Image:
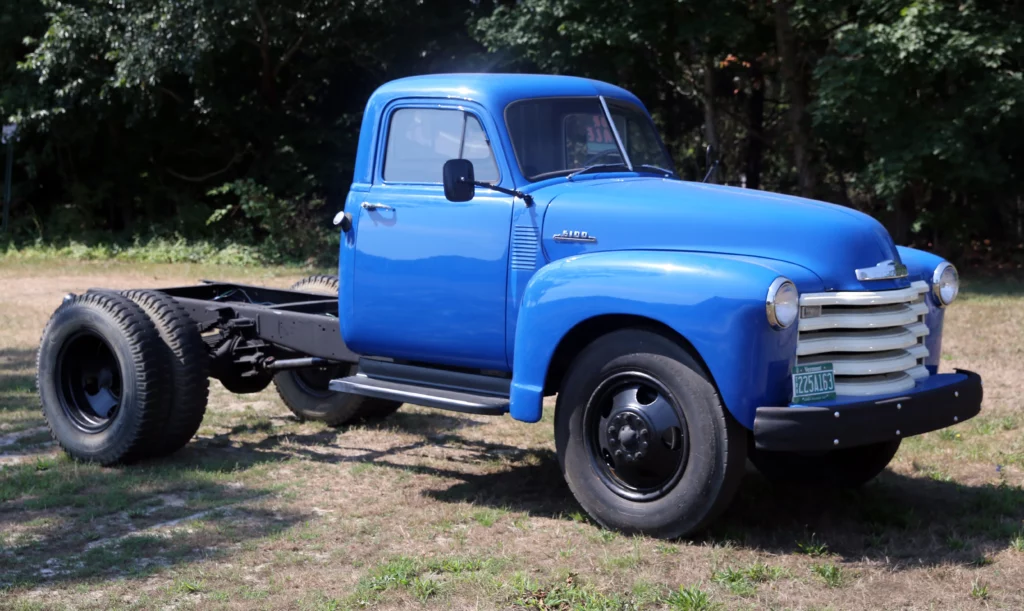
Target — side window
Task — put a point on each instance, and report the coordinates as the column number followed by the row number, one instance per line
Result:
column 420, row 140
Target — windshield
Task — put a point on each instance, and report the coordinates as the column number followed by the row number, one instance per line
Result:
column 559, row 136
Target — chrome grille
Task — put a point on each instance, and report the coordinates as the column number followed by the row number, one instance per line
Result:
column 874, row 339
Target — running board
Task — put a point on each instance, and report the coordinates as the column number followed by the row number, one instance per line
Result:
column 427, row 386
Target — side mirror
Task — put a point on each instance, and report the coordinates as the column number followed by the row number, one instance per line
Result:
column 458, row 180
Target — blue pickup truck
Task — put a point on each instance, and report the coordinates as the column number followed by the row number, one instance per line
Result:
column 512, row 237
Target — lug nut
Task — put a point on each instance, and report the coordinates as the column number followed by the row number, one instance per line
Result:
column 639, row 455
column 618, row 453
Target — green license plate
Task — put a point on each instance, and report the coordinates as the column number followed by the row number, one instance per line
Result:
column 813, row 383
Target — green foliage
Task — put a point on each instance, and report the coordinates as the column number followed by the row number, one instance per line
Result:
column 234, row 121
column 692, row 598
column 830, row 573
column 154, row 116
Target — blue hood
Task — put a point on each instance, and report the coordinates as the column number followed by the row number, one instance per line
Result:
column 657, row 214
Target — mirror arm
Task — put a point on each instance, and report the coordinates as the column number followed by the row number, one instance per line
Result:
column 526, row 197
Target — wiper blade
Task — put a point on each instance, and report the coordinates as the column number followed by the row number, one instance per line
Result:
column 654, row 168
column 595, row 167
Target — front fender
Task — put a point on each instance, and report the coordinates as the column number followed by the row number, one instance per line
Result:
column 920, row 266
column 716, row 302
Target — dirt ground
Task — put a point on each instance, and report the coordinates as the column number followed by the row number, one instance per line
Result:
column 430, row 509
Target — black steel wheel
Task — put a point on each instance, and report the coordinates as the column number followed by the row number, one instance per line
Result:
column 190, row 368
column 637, row 440
column 643, row 439
column 89, row 388
column 306, row 391
column 104, row 379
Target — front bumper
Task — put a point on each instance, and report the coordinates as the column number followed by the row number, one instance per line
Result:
column 946, row 400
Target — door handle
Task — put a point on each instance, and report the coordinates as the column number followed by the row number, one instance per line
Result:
column 371, row 206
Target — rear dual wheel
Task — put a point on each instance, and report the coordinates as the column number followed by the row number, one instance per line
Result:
column 306, row 392
column 121, row 377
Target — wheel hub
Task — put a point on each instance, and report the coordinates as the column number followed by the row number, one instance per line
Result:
column 637, row 440
column 628, row 434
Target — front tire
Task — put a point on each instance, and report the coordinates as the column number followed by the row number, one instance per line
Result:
column 643, row 439
column 104, row 379
column 846, row 468
column 306, row 392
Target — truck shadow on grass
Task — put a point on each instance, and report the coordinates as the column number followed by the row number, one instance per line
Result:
column 19, row 405
column 66, row 522
column 906, row 521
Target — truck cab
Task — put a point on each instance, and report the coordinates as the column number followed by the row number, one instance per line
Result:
column 510, row 237
column 813, row 332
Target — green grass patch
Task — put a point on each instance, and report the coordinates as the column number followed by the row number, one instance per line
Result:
column 691, row 598
column 830, row 573
column 488, row 516
column 812, row 547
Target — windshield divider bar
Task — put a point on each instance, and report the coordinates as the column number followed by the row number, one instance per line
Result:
column 615, row 132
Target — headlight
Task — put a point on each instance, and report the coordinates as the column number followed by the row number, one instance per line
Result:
column 945, row 283
column 782, row 304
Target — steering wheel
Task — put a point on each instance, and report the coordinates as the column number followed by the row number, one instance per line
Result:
column 596, row 156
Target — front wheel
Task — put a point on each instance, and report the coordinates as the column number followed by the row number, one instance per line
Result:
column 643, row 439
column 846, row 468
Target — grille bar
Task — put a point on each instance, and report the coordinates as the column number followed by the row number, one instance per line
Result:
column 874, row 339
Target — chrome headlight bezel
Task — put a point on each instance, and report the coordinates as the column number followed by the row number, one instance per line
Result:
column 945, row 269
column 782, row 317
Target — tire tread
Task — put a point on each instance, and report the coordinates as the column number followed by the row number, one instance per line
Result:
column 152, row 374
column 190, row 368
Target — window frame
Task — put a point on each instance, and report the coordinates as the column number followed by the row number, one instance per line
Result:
column 597, row 97
column 464, row 108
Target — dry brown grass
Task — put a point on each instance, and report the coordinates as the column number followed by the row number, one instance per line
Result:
column 430, row 509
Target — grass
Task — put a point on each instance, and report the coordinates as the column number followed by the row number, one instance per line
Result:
column 438, row 510
column 691, row 598
column 831, row 574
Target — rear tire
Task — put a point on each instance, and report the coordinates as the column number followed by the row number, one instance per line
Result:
column 190, row 368
column 104, row 379
column 679, row 455
column 306, row 392
column 847, row 468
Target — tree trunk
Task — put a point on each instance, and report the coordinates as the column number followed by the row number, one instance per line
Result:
column 796, row 83
column 710, row 112
column 755, row 127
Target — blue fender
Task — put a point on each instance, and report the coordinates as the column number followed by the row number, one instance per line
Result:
column 715, row 302
column 920, row 266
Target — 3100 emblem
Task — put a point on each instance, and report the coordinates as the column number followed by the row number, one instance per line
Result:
column 574, row 236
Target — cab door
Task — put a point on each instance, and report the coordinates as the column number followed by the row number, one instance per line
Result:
column 429, row 275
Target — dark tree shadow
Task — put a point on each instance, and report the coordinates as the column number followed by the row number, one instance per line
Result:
column 101, row 523
column 14, row 363
column 908, row 520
